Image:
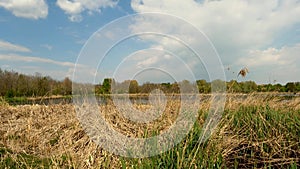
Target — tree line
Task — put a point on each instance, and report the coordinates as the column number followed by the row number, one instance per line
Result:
column 15, row 84
column 131, row 86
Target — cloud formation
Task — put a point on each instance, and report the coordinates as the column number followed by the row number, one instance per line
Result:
column 76, row 7
column 45, row 66
column 31, row 9
column 38, row 9
column 243, row 22
column 279, row 64
column 243, row 32
column 271, row 56
column 7, row 46
column 153, row 65
column 16, row 58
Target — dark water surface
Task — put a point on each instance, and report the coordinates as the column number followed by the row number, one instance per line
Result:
column 102, row 100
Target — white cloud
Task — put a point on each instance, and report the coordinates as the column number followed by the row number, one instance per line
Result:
column 282, row 64
column 14, row 57
column 152, row 65
column 263, row 57
column 236, row 28
column 49, row 47
column 70, row 7
column 53, row 68
column 32, row 9
column 287, row 55
column 76, row 7
column 242, row 23
column 7, row 46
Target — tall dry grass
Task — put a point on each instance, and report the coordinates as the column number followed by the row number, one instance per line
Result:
column 255, row 131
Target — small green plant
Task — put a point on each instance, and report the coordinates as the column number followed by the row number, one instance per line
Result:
column 3, row 102
column 21, row 160
column 185, row 155
column 54, row 141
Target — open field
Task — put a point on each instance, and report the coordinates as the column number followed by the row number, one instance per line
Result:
column 254, row 132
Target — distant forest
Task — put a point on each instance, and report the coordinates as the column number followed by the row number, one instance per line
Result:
column 14, row 84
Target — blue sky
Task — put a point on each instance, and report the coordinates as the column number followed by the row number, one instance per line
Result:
column 47, row 36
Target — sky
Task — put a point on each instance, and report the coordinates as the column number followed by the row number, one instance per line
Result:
column 58, row 37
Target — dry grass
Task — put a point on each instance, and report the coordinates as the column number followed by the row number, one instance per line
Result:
column 50, row 132
column 255, row 131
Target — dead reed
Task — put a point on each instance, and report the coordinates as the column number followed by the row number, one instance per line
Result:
column 256, row 131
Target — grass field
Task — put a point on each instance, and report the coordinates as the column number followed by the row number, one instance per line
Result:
column 254, row 132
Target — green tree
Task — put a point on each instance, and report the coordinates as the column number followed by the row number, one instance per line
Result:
column 175, row 88
column 297, row 84
column 218, row 85
column 67, row 86
column 290, row 87
column 22, row 85
column 166, row 87
column 133, row 86
column 187, row 87
column 249, row 86
column 233, row 86
column 42, row 86
column 147, row 87
column 203, row 86
column 106, row 86
column 10, row 83
column 278, row 88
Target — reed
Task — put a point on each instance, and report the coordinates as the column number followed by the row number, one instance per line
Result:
column 256, row 131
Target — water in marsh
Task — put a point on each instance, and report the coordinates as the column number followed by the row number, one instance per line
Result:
column 144, row 99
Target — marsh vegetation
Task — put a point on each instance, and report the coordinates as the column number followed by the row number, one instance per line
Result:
column 254, row 132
